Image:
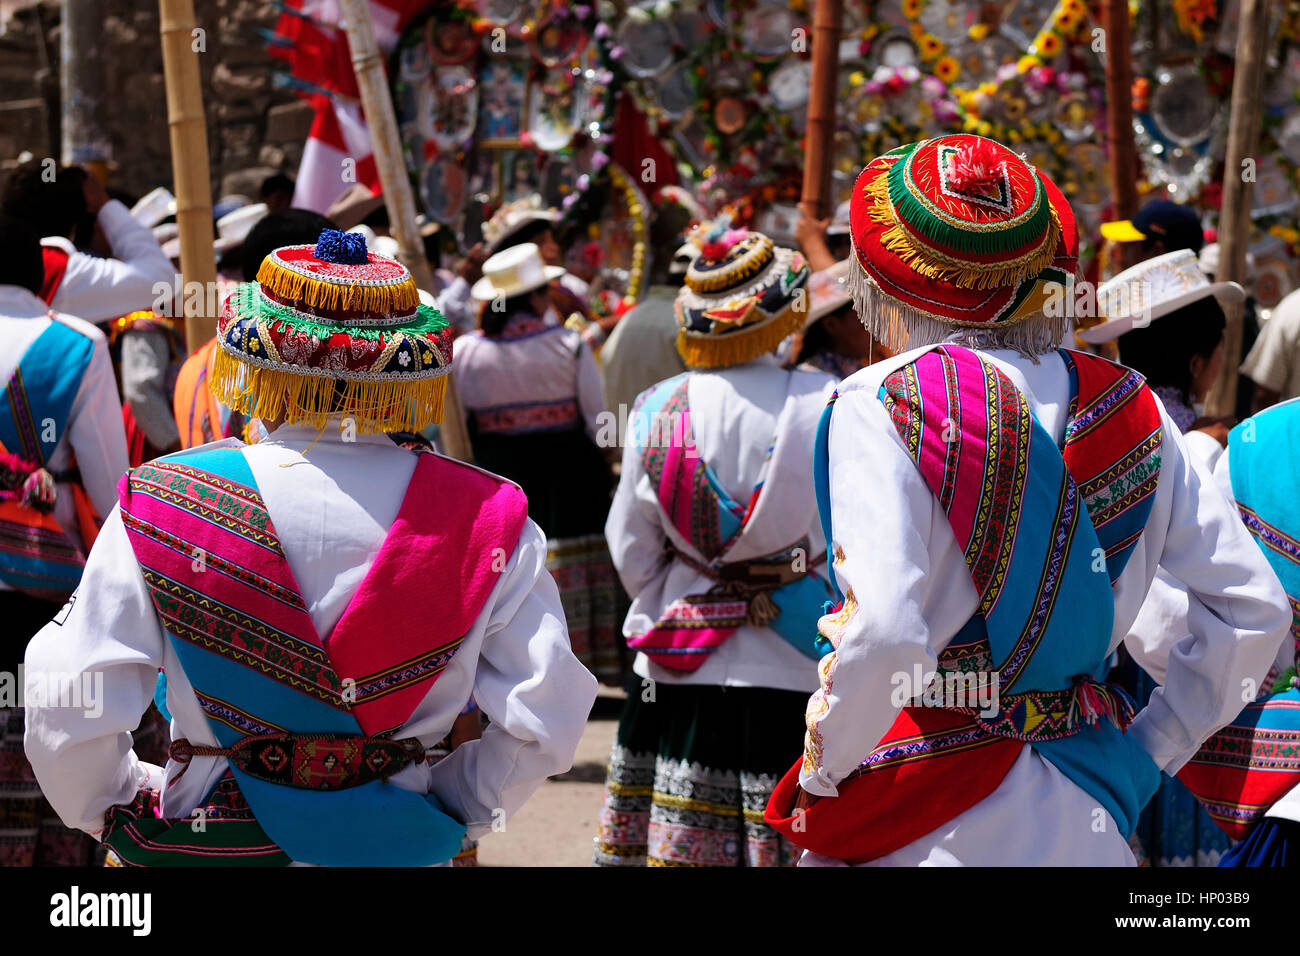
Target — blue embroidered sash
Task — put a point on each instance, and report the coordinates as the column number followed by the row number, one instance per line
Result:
column 241, row 630
column 36, row 556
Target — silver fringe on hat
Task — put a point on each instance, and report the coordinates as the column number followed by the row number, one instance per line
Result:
column 899, row 327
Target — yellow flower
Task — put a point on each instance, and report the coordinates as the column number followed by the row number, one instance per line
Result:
column 1047, row 45
column 931, row 46
column 857, row 78
column 1013, row 136
column 979, row 31
column 971, row 123
column 988, row 89
column 911, row 9
column 947, row 69
column 1027, row 63
column 984, row 127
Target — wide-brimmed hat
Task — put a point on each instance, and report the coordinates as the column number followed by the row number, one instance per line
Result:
column 511, row 218
column 743, row 296
column 956, row 232
column 332, row 329
column 828, row 290
column 513, row 272
column 1152, row 289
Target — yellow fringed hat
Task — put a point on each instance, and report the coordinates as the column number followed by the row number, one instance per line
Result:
column 333, row 330
column 743, row 296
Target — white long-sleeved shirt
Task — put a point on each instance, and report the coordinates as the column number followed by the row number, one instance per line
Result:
column 332, row 506
column 734, row 414
column 98, row 289
column 1163, row 618
column 913, row 593
column 551, row 365
column 93, row 431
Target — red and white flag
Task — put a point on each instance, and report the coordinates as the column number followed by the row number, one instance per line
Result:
column 338, row 153
column 337, row 156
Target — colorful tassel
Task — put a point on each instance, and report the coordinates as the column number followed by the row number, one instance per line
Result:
column 275, row 394
column 734, row 348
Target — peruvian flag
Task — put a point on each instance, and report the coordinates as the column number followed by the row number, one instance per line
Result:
column 337, row 156
column 310, row 38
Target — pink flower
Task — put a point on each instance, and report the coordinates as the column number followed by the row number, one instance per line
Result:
column 599, row 160
column 616, row 53
column 602, row 30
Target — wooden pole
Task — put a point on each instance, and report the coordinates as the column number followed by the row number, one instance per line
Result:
column 398, row 196
column 1119, row 119
column 193, row 182
column 1238, row 180
column 820, row 133
column 85, row 141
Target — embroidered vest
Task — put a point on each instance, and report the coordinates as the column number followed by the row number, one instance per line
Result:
column 1034, row 522
column 1242, row 770
column 769, row 593
column 240, row 627
column 36, row 554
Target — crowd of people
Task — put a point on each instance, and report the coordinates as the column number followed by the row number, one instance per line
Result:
column 893, row 562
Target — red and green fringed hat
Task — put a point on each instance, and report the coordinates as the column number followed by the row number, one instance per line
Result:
column 333, row 330
column 956, row 231
column 743, row 296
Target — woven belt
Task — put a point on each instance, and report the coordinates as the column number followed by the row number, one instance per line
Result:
column 752, row 580
column 1053, row 714
column 312, row 761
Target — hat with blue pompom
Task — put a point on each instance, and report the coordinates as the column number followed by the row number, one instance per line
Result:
column 333, row 330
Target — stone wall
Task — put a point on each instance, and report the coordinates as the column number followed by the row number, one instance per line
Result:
column 254, row 127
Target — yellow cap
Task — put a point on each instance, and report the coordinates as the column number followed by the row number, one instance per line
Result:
column 1121, row 230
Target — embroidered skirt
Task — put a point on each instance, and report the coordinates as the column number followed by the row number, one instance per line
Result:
column 1173, row 829
column 31, row 833
column 568, row 486
column 691, row 772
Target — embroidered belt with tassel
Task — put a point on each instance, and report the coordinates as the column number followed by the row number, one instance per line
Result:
column 754, row 580
column 312, row 761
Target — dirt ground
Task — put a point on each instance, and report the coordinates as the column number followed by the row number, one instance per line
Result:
column 557, row 825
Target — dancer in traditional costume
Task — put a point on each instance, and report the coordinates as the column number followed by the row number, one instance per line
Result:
column 76, row 283
column 715, row 535
column 1166, row 316
column 997, row 509
column 62, row 452
column 323, row 604
column 1247, row 775
column 533, row 398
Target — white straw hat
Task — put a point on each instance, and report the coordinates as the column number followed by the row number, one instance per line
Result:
column 512, row 272
column 1151, row 289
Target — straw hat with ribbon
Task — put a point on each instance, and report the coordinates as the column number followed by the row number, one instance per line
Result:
column 513, row 272
column 743, row 296
column 1152, row 289
column 958, row 233
column 333, row 329
column 512, row 217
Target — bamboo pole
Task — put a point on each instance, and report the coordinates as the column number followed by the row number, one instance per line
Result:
column 1238, row 180
column 189, row 141
column 1119, row 118
column 398, row 196
column 820, row 134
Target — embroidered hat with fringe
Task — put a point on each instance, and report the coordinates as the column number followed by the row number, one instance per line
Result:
column 743, row 296
column 959, row 232
column 333, row 330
